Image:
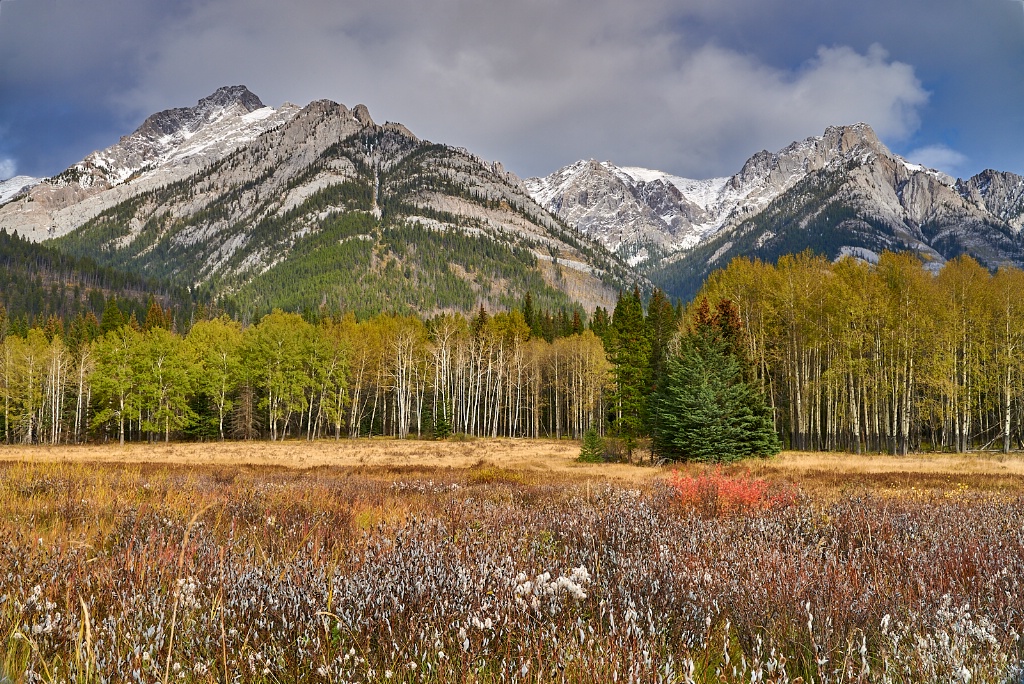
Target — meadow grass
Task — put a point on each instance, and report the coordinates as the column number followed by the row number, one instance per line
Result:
column 487, row 572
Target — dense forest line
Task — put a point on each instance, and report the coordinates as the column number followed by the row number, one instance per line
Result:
column 39, row 282
column 885, row 357
column 849, row 356
column 523, row 373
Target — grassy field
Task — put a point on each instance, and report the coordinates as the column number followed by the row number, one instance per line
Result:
column 542, row 458
column 504, row 561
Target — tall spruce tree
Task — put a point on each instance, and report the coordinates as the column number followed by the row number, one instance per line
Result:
column 601, row 325
column 631, row 359
column 113, row 317
column 662, row 325
column 531, row 317
column 706, row 410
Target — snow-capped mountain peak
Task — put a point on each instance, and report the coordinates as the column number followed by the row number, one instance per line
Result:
column 218, row 123
column 653, row 213
column 166, row 147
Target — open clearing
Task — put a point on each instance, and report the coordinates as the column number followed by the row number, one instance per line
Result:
column 491, row 561
column 541, row 458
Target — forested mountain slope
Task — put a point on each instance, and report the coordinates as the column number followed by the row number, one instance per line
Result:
column 332, row 211
column 38, row 281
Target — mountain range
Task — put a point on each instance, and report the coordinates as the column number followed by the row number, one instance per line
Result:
column 310, row 208
column 841, row 194
column 319, row 207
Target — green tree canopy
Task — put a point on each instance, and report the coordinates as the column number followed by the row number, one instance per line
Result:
column 705, row 410
column 631, row 357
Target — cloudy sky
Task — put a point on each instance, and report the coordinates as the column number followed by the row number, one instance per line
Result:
column 692, row 87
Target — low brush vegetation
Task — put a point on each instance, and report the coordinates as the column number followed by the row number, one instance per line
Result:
column 146, row 573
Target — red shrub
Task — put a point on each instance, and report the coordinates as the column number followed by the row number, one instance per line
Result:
column 715, row 493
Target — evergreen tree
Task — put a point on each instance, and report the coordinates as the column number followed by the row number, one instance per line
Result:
column 19, row 326
column 113, row 317
column 577, row 322
column 706, row 410
column 547, row 327
column 480, row 321
column 442, row 425
column 662, row 324
column 531, row 317
column 93, row 329
column 155, row 316
column 631, row 359
column 592, row 449
column 54, row 327
column 601, row 326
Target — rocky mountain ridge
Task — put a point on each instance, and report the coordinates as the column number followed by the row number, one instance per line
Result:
column 649, row 216
column 841, row 193
column 167, row 147
column 851, row 196
column 330, row 209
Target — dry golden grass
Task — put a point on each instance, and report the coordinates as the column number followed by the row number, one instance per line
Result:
column 802, row 462
column 538, row 460
column 842, row 472
column 226, row 541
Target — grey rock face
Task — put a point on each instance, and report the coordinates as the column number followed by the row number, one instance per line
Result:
column 1001, row 193
column 173, row 121
column 636, row 214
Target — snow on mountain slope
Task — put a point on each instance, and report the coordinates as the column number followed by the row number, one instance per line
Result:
column 218, row 124
column 168, row 146
column 15, row 186
column 640, row 215
column 332, row 209
column 648, row 216
column 704, row 193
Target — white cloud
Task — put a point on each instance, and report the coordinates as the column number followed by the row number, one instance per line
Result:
column 727, row 104
column 939, row 157
column 536, row 83
column 8, row 168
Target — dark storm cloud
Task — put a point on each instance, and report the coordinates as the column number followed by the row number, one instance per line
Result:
column 62, row 64
column 688, row 86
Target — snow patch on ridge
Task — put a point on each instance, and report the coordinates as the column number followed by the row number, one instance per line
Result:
column 860, row 253
column 14, row 186
column 702, row 192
